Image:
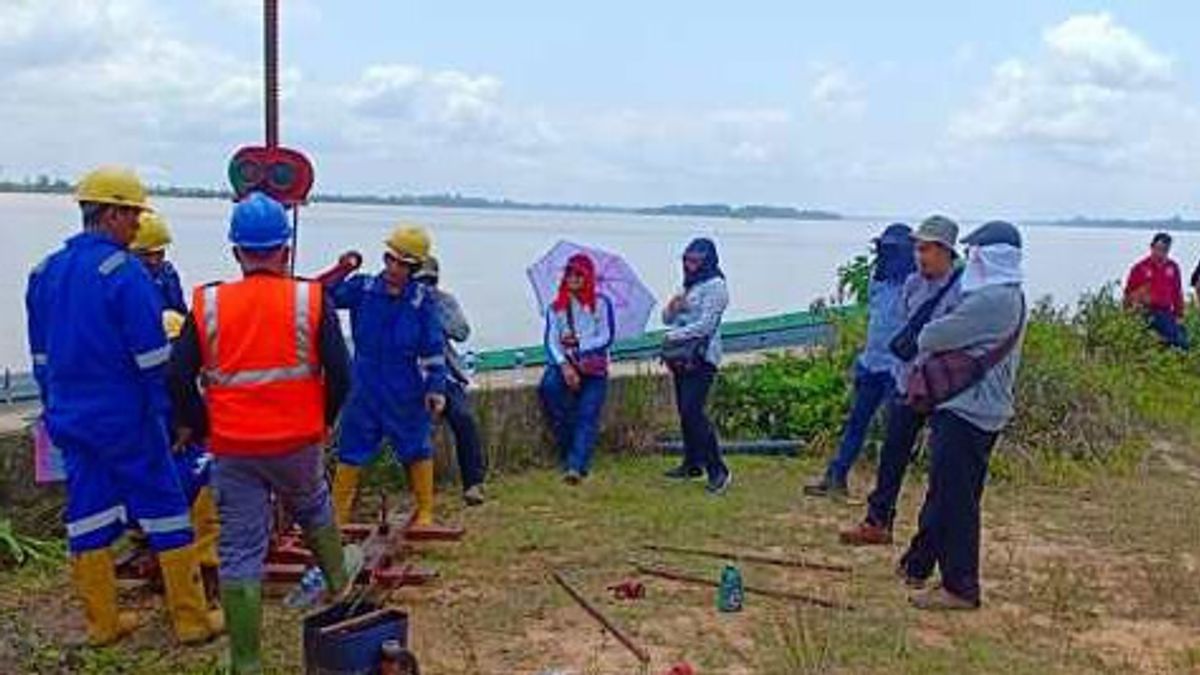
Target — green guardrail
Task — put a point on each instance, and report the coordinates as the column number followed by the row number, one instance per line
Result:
column 792, row 329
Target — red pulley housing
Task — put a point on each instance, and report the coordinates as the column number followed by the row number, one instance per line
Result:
column 284, row 174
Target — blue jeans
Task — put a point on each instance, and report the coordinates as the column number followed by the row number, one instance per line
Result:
column 574, row 416
column 871, row 389
column 948, row 535
column 700, row 445
column 903, row 426
column 461, row 419
column 1173, row 333
column 243, row 488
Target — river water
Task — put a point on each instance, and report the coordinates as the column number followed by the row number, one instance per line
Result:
column 773, row 265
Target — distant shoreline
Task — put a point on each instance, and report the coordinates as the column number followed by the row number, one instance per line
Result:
column 456, row 201
column 748, row 212
column 1173, row 224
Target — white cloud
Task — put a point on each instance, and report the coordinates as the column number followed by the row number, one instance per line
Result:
column 1094, row 49
column 91, row 82
column 836, row 90
column 1096, row 93
column 447, row 100
column 251, row 11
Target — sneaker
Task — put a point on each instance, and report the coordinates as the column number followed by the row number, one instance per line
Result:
column 827, row 487
column 866, row 534
column 941, row 600
column 474, row 496
column 684, row 472
column 572, row 477
column 721, row 484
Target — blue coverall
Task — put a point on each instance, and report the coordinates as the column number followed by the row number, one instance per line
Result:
column 99, row 355
column 166, row 279
column 398, row 360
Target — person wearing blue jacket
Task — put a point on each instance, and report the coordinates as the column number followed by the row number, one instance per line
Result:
column 580, row 325
column 99, row 355
column 150, row 246
column 399, row 373
column 874, row 384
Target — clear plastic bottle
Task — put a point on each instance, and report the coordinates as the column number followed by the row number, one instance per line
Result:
column 308, row 594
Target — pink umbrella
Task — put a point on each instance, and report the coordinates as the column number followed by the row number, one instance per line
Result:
column 632, row 301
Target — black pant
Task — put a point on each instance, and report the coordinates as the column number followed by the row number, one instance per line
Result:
column 461, row 421
column 700, row 445
column 950, row 517
column 903, row 426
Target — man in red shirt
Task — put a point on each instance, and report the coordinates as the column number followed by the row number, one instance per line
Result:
column 1155, row 287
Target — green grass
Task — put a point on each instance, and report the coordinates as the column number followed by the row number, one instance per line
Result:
column 1060, row 564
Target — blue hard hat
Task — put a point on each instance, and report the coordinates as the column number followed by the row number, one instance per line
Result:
column 993, row 233
column 259, row 223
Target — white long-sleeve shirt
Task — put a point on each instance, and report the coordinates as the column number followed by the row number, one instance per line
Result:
column 594, row 329
column 700, row 316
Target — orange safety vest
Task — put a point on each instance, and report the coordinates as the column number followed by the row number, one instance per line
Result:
column 262, row 376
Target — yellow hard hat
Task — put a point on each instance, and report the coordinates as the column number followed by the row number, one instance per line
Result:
column 172, row 323
column 409, row 243
column 152, row 234
column 112, row 185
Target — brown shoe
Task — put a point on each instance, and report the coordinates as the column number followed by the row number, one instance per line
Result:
column 867, row 534
column 941, row 600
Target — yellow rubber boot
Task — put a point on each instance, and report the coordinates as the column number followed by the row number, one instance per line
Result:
column 420, row 477
column 95, row 578
column 186, row 603
column 345, row 485
column 207, row 527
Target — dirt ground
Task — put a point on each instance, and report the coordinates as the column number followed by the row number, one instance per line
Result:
column 1098, row 576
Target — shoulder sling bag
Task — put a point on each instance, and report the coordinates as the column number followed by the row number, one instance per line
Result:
column 947, row 374
column 904, row 343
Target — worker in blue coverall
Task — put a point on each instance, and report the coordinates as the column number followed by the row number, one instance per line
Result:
column 150, row 246
column 99, row 355
column 399, row 381
column 193, row 465
column 192, row 462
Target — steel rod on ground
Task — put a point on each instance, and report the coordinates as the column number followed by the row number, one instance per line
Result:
column 642, row 655
column 750, row 557
column 675, row 575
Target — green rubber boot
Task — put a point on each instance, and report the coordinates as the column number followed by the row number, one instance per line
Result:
column 242, row 601
column 326, row 545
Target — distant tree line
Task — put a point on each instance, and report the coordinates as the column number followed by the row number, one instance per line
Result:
column 47, row 184
column 744, row 212
column 1167, row 224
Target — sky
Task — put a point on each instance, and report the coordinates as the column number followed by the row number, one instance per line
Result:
column 1017, row 109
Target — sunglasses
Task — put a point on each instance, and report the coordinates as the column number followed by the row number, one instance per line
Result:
column 393, row 259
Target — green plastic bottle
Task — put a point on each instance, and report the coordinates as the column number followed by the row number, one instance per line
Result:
column 730, row 593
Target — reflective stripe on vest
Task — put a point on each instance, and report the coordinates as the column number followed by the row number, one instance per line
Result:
column 304, row 368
